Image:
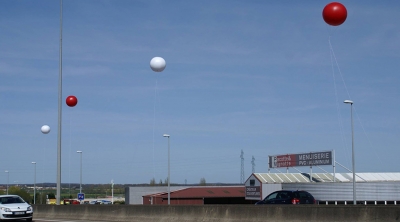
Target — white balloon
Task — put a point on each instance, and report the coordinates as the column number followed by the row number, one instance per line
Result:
column 157, row 64
column 45, row 129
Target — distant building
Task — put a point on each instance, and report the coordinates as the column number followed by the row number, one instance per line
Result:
column 200, row 196
column 220, row 194
column 329, row 188
column 134, row 195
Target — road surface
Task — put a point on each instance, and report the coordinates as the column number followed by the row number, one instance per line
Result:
column 57, row 220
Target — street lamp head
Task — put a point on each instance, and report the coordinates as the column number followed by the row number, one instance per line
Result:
column 348, row 102
column 79, row 151
column 6, row 171
column 166, row 135
column 33, row 162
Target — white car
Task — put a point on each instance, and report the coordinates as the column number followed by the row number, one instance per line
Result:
column 93, row 202
column 103, row 202
column 13, row 207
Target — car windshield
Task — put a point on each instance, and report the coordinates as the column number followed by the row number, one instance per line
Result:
column 11, row 200
column 271, row 196
column 279, row 195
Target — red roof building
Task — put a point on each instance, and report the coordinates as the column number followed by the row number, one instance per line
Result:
column 200, row 196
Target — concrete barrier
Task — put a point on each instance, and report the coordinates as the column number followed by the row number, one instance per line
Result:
column 220, row 213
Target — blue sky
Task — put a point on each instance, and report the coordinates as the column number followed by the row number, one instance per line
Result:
column 253, row 75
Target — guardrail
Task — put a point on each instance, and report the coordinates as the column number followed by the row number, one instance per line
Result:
column 350, row 202
column 220, row 213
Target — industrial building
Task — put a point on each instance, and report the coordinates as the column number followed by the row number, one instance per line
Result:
column 190, row 195
column 134, row 195
column 329, row 188
column 200, row 196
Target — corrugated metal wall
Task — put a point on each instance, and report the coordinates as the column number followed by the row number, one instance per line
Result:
column 371, row 191
column 269, row 188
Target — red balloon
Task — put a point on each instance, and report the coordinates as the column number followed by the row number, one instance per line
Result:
column 334, row 13
column 71, row 101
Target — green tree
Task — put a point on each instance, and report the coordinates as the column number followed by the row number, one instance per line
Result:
column 22, row 193
column 202, row 181
column 40, row 198
column 152, row 182
column 37, row 198
column 51, row 196
column 119, row 202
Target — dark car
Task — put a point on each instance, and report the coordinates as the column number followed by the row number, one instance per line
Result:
column 288, row 197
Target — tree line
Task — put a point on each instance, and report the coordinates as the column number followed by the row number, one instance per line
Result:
column 165, row 182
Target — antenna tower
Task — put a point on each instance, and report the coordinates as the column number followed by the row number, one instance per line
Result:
column 242, row 167
column 253, row 164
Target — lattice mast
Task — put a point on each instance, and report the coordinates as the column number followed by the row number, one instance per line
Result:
column 253, row 164
column 242, row 167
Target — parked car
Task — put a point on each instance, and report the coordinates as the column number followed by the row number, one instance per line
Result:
column 14, row 207
column 103, row 202
column 71, row 201
column 288, row 197
column 93, row 202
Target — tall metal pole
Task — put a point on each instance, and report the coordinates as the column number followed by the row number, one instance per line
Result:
column 80, row 187
column 58, row 195
column 8, row 179
column 334, row 166
column 169, row 177
column 112, row 191
column 352, row 150
column 353, row 159
column 34, row 185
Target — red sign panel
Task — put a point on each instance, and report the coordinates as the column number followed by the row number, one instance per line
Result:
column 302, row 159
column 288, row 160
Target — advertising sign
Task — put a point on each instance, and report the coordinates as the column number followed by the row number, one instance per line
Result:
column 301, row 159
column 253, row 192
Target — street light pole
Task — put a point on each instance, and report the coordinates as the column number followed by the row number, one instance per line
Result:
column 58, row 195
column 8, row 179
column 352, row 150
column 80, row 187
column 169, row 188
column 112, row 191
column 34, row 185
